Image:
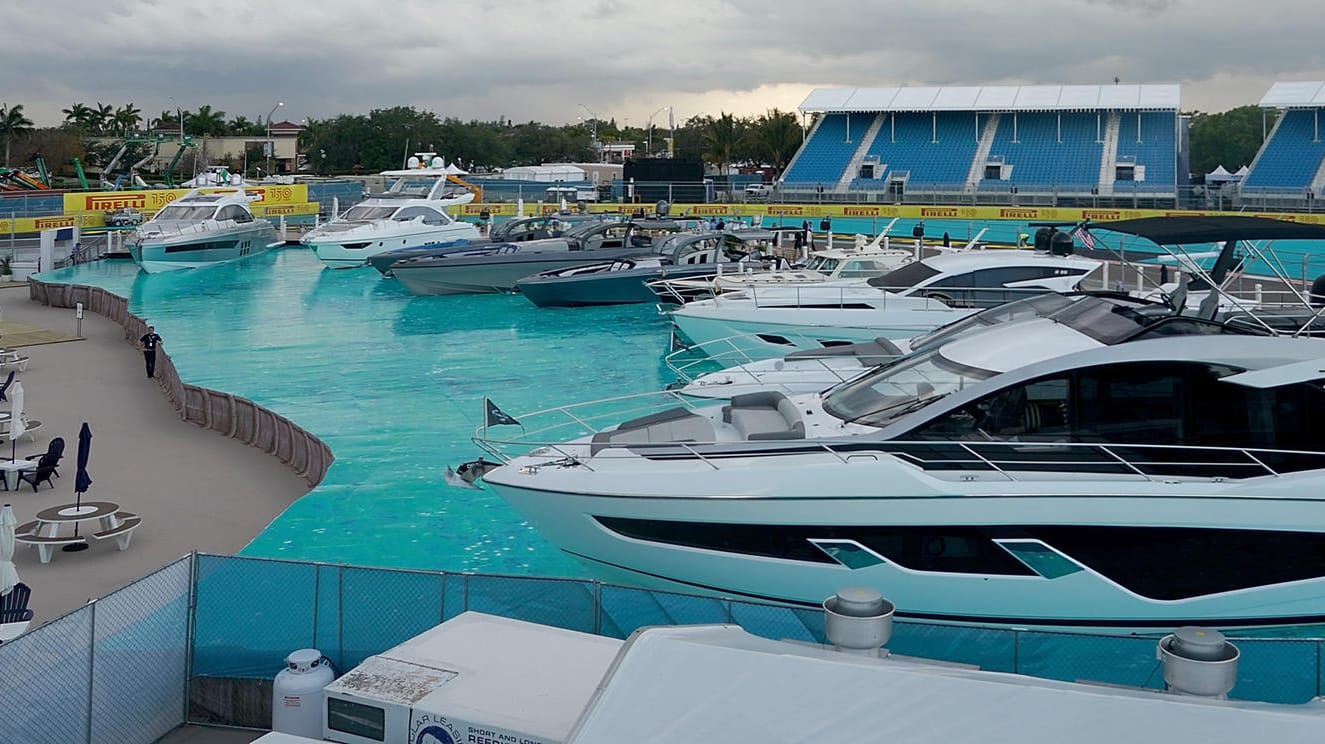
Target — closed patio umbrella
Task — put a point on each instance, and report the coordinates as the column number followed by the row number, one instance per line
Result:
column 16, row 425
column 82, row 481
column 8, row 574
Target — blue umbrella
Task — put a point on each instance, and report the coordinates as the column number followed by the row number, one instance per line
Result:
column 82, row 480
column 5, row 386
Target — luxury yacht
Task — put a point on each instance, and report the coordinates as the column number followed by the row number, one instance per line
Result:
column 200, row 229
column 859, row 263
column 910, row 300
column 498, row 267
column 1109, row 317
column 412, row 213
column 1161, row 482
column 695, row 256
column 517, row 230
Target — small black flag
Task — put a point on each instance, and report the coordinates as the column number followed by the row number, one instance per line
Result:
column 494, row 416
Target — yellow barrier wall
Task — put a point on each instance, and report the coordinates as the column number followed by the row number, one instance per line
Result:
column 154, row 199
column 815, row 212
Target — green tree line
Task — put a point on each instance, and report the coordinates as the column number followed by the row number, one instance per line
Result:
column 384, row 138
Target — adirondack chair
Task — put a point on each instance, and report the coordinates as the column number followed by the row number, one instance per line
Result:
column 14, row 605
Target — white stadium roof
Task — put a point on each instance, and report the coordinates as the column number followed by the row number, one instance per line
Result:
column 1295, row 94
column 994, row 98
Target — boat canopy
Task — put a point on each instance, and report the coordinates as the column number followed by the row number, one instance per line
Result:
column 1187, row 230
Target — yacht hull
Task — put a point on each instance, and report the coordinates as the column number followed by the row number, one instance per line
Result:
column 605, row 287
column 760, row 333
column 202, row 249
column 352, row 251
column 488, row 274
column 932, row 548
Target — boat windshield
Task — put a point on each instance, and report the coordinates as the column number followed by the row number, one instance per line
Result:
column 1038, row 306
column 911, row 382
column 414, row 186
column 1110, row 321
column 822, row 264
column 362, row 213
column 185, row 213
column 908, row 275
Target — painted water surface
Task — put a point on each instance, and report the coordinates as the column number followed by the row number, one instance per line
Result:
column 394, row 384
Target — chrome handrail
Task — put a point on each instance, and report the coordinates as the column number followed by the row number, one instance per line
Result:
column 843, row 449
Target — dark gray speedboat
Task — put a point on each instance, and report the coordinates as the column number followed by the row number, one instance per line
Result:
column 624, row 281
column 499, row 267
column 519, row 230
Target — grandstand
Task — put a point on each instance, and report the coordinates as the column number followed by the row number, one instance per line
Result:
column 993, row 144
column 1290, row 167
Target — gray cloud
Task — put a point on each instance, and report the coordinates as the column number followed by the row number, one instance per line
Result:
column 533, row 60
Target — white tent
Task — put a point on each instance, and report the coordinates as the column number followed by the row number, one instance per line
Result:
column 1219, row 175
column 545, row 173
column 1241, row 173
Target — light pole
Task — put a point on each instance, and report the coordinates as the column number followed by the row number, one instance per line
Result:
column 271, row 146
column 655, row 113
column 593, row 122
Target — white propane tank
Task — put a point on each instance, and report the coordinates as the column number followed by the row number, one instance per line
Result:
column 296, row 696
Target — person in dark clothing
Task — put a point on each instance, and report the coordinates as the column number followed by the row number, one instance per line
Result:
column 918, row 232
column 148, row 344
column 947, row 241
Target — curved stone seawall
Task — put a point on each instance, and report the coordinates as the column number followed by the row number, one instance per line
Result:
column 238, row 418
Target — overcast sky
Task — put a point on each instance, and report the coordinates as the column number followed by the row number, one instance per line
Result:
column 555, row 62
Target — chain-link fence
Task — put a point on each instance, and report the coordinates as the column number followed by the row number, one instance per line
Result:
column 120, row 668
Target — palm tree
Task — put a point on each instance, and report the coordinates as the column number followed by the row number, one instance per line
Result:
column 721, row 140
column 12, row 122
column 127, row 117
column 778, row 135
column 80, row 115
column 242, row 126
column 205, row 121
column 101, row 117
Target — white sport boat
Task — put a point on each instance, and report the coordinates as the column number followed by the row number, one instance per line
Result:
column 1108, row 316
column 412, row 213
column 1167, row 481
column 913, row 299
column 201, row 228
column 859, row 263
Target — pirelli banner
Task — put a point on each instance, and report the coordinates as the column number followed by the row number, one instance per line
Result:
column 151, row 200
column 816, row 212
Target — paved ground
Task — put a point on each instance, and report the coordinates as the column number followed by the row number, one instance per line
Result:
column 194, row 489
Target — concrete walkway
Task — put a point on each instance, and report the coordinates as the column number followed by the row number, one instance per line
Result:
column 194, row 489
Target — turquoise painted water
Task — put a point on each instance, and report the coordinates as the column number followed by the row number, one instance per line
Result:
column 394, row 384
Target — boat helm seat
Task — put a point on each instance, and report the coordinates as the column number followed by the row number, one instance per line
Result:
column 672, row 425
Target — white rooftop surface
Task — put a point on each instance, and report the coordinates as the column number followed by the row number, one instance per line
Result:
column 490, row 670
column 996, row 98
column 718, row 683
column 1287, row 94
column 1014, row 344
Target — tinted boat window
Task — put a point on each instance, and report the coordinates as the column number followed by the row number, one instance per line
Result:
column 908, row 275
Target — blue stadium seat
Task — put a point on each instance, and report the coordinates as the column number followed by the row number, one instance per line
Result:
column 1040, row 160
column 1156, row 151
column 908, row 142
column 1290, row 158
column 825, row 155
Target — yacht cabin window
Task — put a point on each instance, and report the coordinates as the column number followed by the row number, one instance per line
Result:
column 234, row 212
column 908, row 275
column 1149, row 402
column 430, row 216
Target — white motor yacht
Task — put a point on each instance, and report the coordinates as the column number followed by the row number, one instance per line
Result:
column 1162, row 482
column 199, row 229
column 1107, row 316
column 412, row 213
column 913, row 299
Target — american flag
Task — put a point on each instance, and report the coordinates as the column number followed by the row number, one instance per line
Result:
column 1083, row 235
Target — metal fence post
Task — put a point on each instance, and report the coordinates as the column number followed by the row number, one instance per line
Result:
column 598, row 608
column 91, row 667
column 340, row 617
column 317, row 586
column 190, row 622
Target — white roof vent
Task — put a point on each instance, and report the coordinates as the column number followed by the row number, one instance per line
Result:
column 1198, row 662
column 858, row 620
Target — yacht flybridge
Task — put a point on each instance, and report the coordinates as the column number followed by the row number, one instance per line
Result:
column 412, row 213
column 1150, row 484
